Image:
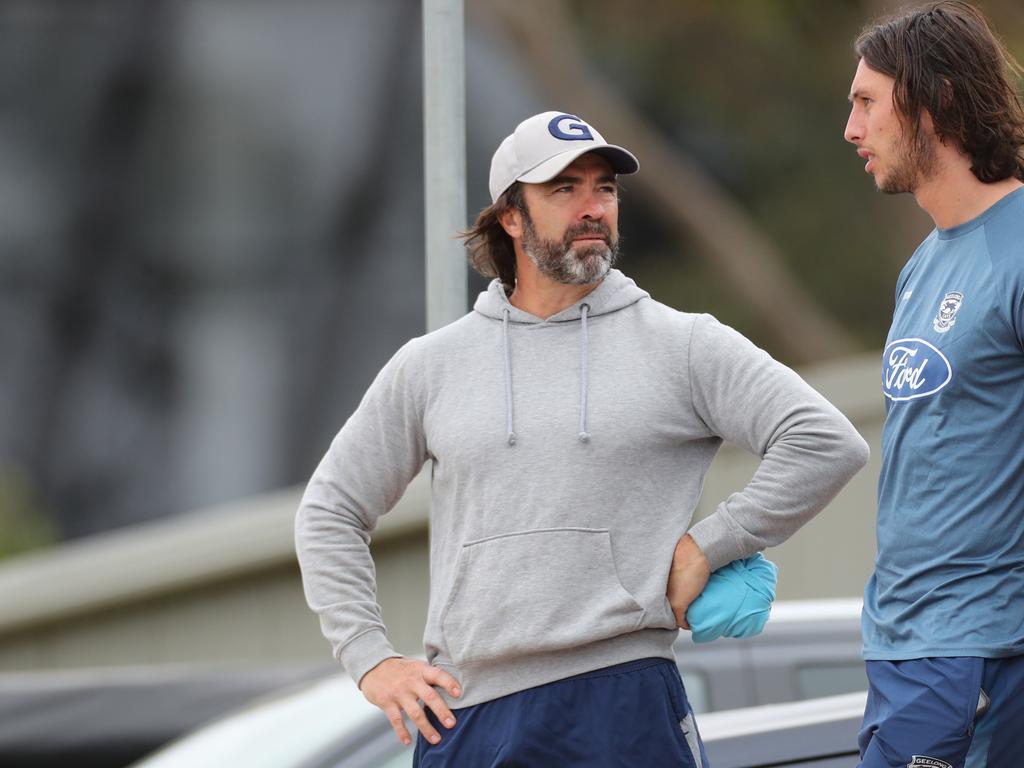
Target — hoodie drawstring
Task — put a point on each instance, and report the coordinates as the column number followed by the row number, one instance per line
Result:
column 583, row 436
column 511, row 439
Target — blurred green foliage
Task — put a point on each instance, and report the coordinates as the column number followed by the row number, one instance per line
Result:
column 755, row 91
column 23, row 524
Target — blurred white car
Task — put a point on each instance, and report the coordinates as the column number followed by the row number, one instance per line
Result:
column 808, row 650
column 331, row 725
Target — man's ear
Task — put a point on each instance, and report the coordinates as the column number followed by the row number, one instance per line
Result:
column 511, row 220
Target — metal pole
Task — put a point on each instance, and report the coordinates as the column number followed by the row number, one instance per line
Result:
column 444, row 150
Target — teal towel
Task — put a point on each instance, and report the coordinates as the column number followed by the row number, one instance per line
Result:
column 735, row 602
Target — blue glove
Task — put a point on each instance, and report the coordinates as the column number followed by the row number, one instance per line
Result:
column 735, row 602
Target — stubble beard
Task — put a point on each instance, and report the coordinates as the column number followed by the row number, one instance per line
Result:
column 916, row 163
column 566, row 262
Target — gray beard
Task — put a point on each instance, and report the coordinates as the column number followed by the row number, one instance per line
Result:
column 567, row 263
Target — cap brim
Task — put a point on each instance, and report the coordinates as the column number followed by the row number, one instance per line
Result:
column 621, row 160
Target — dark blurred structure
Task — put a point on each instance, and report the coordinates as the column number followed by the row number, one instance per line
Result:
column 212, row 240
column 211, row 213
column 108, row 719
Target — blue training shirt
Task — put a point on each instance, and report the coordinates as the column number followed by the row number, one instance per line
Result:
column 949, row 574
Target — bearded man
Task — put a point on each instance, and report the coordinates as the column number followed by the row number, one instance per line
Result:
column 569, row 420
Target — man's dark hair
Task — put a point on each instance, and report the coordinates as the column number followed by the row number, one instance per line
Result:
column 947, row 62
column 490, row 248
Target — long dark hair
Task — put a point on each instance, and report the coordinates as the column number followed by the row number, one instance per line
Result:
column 946, row 60
column 490, row 248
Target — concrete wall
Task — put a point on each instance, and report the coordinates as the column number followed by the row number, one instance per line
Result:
column 216, row 586
column 222, row 585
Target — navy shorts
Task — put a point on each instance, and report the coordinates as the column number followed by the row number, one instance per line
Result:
column 960, row 712
column 628, row 715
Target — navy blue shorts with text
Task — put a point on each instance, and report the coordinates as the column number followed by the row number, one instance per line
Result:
column 925, row 713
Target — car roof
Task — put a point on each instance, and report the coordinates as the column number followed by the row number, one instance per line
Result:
column 806, row 733
column 275, row 732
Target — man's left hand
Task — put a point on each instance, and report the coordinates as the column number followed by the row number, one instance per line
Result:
column 687, row 577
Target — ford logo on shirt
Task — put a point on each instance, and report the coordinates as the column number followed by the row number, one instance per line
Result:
column 913, row 368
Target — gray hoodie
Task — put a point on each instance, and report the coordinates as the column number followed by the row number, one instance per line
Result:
column 567, row 458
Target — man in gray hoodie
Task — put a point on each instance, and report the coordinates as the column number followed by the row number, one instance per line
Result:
column 569, row 420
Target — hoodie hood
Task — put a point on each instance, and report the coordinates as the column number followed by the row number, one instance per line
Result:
column 615, row 292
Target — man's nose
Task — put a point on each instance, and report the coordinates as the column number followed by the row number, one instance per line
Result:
column 593, row 208
column 854, row 128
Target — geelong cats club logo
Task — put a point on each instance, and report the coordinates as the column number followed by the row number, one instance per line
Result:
column 948, row 307
column 920, row 761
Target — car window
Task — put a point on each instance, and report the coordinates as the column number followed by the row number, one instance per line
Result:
column 829, row 679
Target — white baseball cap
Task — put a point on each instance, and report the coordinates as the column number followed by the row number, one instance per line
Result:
column 543, row 145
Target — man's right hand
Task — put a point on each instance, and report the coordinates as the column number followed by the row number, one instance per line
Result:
column 688, row 575
column 399, row 684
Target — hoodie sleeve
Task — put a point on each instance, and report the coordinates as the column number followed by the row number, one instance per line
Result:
column 808, row 449
column 365, row 472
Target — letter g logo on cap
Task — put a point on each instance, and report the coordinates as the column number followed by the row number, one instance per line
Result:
column 578, row 131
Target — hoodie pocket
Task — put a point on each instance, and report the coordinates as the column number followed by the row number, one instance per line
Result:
column 535, row 591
